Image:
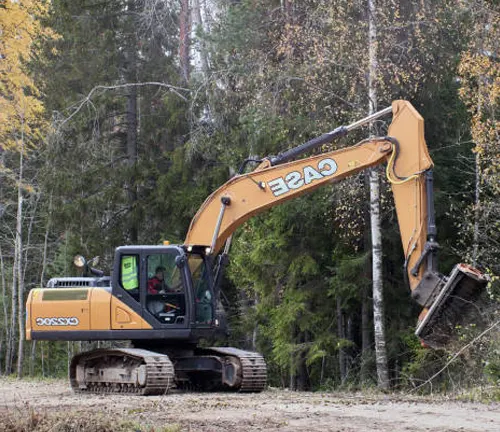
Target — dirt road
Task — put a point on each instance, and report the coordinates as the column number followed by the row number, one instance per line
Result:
column 273, row 410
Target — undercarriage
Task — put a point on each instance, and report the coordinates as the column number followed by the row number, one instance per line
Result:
column 144, row 372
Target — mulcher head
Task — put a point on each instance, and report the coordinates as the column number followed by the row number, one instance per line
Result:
column 455, row 305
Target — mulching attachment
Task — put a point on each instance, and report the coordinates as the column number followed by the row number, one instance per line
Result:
column 456, row 305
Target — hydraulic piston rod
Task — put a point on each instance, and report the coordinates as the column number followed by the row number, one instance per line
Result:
column 326, row 138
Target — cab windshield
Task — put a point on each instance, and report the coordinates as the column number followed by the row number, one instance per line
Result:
column 163, row 273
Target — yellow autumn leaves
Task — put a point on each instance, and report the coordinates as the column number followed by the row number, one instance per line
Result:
column 21, row 111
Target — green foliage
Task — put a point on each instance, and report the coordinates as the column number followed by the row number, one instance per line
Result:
column 279, row 74
column 349, row 278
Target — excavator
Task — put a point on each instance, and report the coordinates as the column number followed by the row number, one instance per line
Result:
column 164, row 299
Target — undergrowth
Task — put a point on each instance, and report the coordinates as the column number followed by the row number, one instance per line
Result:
column 31, row 420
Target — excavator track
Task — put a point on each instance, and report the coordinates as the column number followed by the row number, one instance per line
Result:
column 129, row 370
column 250, row 368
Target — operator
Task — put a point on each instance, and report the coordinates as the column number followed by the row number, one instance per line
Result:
column 157, row 285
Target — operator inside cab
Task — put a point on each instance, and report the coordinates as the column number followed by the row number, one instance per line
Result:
column 157, row 284
column 165, row 298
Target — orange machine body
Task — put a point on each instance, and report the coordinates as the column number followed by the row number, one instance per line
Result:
column 79, row 310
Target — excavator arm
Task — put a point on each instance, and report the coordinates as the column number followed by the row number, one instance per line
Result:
column 273, row 183
column 277, row 180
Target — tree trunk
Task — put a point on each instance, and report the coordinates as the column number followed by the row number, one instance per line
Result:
column 302, row 381
column 27, row 243
column 14, row 308
column 45, row 242
column 366, row 307
column 477, row 213
column 18, row 267
column 378, row 310
column 5, row 330
column 184, row 43
column 33, row 358
column 132, row 159
column 9, row 343
column 131, row 145
column 42, row 357
column 341, row 335
column 22, row 279
column 376, row 235
column 365, row 337
column 202, row 50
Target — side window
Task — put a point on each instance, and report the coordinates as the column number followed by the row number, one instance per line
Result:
column 129, row 274
column 203, row 295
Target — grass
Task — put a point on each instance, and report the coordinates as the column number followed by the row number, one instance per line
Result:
column 30, row 420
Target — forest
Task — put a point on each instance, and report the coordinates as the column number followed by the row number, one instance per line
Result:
column 119, row 118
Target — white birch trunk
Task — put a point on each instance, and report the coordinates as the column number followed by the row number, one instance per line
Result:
column 9, row 355
column 200, row 48
column 45, row 243
column 376, row 235
column 5, row 331
column 18, row 267
column 477, row 213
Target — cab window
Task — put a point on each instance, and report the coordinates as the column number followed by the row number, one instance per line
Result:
column 165, row 297
column 163, row 274
column 129, row 274
column 203, row 295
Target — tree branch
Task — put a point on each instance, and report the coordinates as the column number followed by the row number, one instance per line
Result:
column 460, row 351
column 89, row 96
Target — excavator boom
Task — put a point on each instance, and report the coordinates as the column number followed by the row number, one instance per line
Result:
column 275, row 182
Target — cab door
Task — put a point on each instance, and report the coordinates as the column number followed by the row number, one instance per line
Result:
column 164, row 297
column 151, row 281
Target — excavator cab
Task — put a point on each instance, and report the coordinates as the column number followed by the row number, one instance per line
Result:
column 160, row 293
column 169, row 288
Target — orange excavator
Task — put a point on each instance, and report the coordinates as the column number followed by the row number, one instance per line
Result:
column 164, row 299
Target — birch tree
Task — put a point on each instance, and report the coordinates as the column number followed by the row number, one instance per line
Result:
column 184, row 39
column 375, row 223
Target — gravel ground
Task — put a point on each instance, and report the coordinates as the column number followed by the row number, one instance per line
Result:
column 272, row 410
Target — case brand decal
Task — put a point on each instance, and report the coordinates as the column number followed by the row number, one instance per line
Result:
column 296, row 179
